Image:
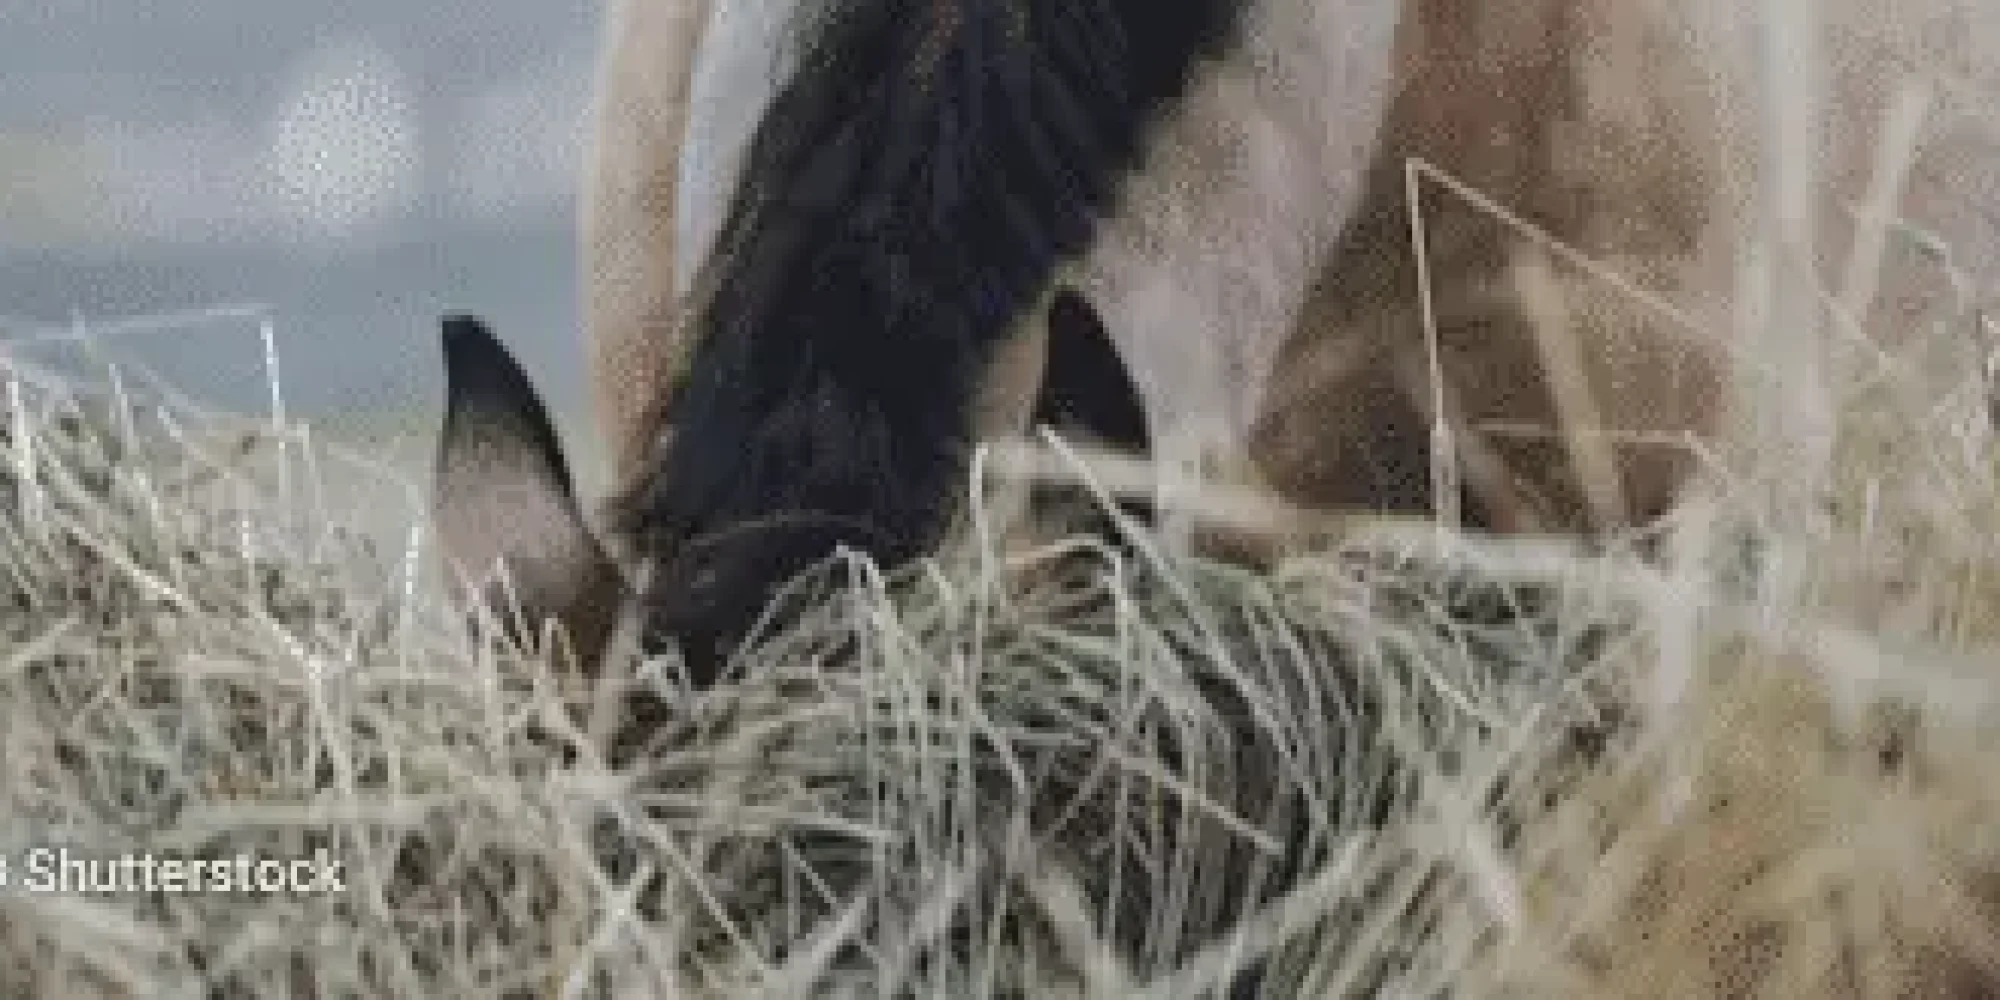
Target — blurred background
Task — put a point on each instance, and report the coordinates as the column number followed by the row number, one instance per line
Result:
column 356, row 168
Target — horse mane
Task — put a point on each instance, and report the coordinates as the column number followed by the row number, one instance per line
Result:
column 906, row 198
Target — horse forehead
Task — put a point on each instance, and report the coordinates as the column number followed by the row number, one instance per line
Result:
column 748, row 52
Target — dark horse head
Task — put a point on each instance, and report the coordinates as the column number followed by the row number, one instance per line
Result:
column 889, row 253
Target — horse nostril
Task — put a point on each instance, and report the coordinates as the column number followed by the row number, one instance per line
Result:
column 709, row 597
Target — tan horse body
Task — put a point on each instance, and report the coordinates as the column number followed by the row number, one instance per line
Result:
column 1270, row 229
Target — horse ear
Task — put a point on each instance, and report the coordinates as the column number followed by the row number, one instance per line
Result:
column 1087, row 390
column 503, row 501
column 1087, row 394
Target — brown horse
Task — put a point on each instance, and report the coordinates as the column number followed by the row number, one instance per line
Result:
column 830, row 246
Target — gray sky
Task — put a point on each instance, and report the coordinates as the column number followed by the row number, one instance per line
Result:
column 358, row 167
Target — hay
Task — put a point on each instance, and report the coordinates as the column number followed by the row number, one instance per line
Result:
column 1758, row 764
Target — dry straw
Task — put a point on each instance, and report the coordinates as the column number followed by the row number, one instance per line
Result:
column 1758, row 763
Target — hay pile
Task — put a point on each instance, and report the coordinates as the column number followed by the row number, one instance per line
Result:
column 1758, row 764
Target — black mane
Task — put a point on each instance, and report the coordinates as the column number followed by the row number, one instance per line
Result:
column 906, row 198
